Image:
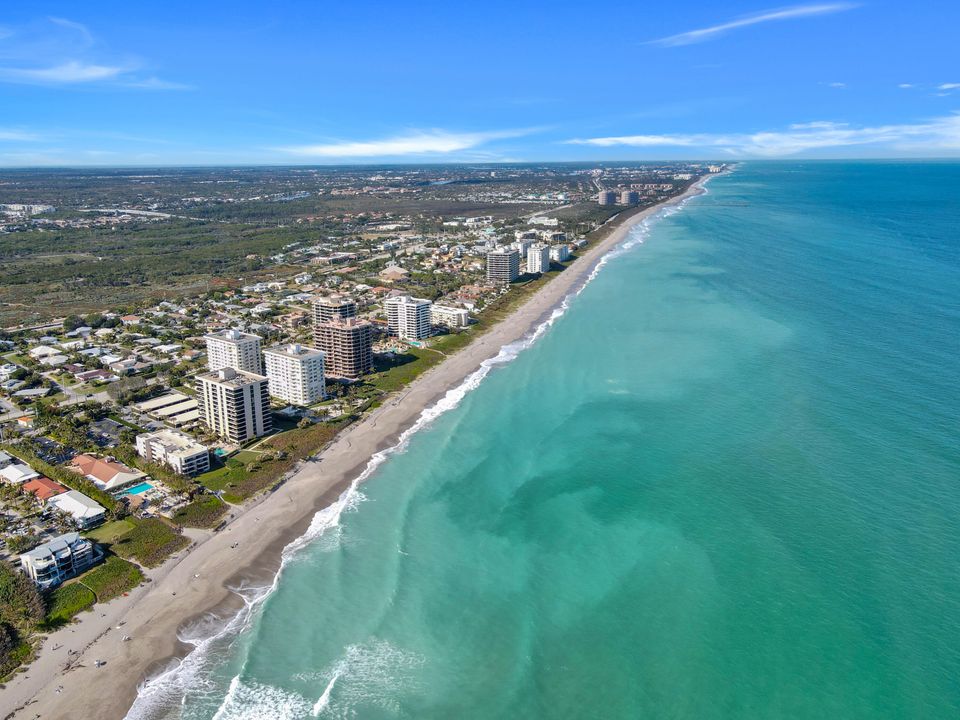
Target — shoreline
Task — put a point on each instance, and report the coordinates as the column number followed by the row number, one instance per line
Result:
column 248, row 553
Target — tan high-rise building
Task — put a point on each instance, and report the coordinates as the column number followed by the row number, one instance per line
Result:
column 346, row 345
column 327, row 308
column 503, row 265
column 235, row 404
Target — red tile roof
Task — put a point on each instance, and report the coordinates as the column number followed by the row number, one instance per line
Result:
column 44, row 488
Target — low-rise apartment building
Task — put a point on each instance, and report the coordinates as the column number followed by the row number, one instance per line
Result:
column 176, row 450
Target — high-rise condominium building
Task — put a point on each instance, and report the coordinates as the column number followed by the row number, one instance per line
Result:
column 327, row 308
column 538, row 259
column 235, row 404
column 234, row 349
column 607, row 197
column 347, row 346
column 560, row 253
column 295, row 373
column 503, row 265
column 629, row 197
column 408, row 318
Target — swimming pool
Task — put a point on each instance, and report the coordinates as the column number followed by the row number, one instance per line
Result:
column 138, row 489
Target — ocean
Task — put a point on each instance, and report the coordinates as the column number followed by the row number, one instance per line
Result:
column 722, row 482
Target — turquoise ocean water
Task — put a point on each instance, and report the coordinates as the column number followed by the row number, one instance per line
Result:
column 724, row 484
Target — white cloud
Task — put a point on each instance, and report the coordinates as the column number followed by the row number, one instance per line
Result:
column 935, row 135
column 79, row 28
column 64, row 52
column 839, row 85
column 70, row 72
column 155, row 83
column 948, row 86
column 905, row 86
column 415, row 143
column 11, row 135
column 787, row 13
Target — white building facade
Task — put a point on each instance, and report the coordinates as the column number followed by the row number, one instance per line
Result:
column 234, row 349
column 538, row 259
column 450, row 317
column 176, row 450
column 295, row 374
column 408, row 318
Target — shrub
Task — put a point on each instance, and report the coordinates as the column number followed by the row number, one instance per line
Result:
column 113, row 578
column 203, row 512
column 150, row 542
column 66, row 601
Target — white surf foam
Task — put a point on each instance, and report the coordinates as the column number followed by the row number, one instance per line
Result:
column 169, row 688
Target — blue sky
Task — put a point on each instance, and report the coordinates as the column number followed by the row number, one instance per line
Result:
column 170, row 83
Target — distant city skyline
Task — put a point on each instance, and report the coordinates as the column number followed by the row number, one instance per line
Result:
column 237, row 84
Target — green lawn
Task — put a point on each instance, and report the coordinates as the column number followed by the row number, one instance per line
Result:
column 108, row 533
column 113, row 578
column 231, row 473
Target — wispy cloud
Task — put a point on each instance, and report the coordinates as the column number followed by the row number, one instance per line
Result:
column 427, row 142
column 72, row 71
column 63, row 52
column 938, row 134
column 948, row 86
column 155, row 83
column 13, row 135
column 775, row 15
column 82, row 30
column 838, row 85
column 905, row 86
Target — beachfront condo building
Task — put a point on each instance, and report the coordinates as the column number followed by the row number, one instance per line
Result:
column 407, row 317
column 560, row 253
column 503, row 265
column 175, row 449
column 607, row 197
column 347, row 346
column 522, row 246
column 235, row 404
column 450, row 317
column 629, row 197
column 295, row 373
column 60, row 559
column 538, row 259
column 330, row 307
column 234, row 349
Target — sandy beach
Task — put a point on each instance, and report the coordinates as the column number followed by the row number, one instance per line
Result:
column 248, row 551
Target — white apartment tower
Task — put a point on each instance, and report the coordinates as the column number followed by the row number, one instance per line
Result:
column 538, row 259
column 503, row 265
column 235, row 404
column 408, row 318
column 234, row 349
column 295, row 374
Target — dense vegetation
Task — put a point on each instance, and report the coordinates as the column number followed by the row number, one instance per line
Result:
column 21, row 612
column 204, row 511
column 150, row 542
column 112, row 578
